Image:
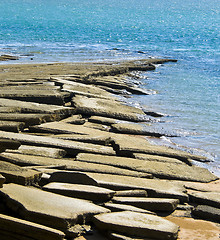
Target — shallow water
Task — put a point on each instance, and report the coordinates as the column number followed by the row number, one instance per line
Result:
column 88, row 30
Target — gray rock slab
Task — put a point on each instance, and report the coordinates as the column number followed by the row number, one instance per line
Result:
column 152, row 204
column 47, row 208
column 10, row 110
column 141, row 145
column 207, row 212
column 21, row 228
column 206, row 198
column 72, row 177
column 154, row 187
column 107, row 108
column 72, row 147
column 93, row 193
column 16, row 174
column 137, row 224
column 70, row 164
column 12, row 126
column 31, row 107
column 131, row 193
column 140, row 129
column 40, row 151
column 115, row 207
column 159, row 169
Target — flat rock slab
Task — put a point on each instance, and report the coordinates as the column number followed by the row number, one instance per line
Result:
column 47, row 208
column 93, row 193
column 137, row 224
column 154, row 187
column 206, row 198
column 40, row 151
column 157, row 158
column 107, row 108
column 158, row 169
column 72, row 147
column 16, row 174
column 140, row 129
column 207, row 212
column 12, row 126
column 131, row 193
column 8, row 144
column 115, row 207
column 141, row 145
column 152, row 204
column 31, row 107
column 213, row 186
column 21, row 228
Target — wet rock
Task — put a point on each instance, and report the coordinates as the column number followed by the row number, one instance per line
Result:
column 18, row 229
column 6, row 57
column 152, row 204
column 16, row 174
column 40, row 151
column 93, row 193
column 206, row 198
column 154, row 187
column 72, row 147
column 140, row 129
column 131, row 193
column 48, row 209
column 107, row 108
column 137, row 224
column 207, row 212
column 114, row 207
column 158, row 169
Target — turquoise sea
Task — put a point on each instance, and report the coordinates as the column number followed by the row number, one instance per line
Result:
column 87, row 30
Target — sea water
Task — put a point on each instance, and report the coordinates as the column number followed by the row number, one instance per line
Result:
column 98, row 30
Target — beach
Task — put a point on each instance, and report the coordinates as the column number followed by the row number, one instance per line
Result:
column 77, row 161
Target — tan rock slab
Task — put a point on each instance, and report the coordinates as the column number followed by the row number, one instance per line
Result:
column 40, row 151
column 141, row 129
column 12, row 126
column 93, row 193
column 107, row 108
column 137, row 224
column 116, row 236
column 152, row 204
column 31, row 107
column 213, row 186
column 16, row 174
column 72, row 147
column 21, row 228
column 194, row 229
column 115, row 207
column 141, row 145
column 74, row 119
column 131, row 193
column 206, row 198
column 154, row 187
column 70, row 164
column 47, row 208
column 158, row 169
column 150, row 157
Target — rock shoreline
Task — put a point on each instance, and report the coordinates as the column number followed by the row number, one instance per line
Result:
column 75, row 163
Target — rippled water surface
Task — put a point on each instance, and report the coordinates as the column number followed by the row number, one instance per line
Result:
column 87, row 30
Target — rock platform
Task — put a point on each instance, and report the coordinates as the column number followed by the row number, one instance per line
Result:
column 76, row 161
